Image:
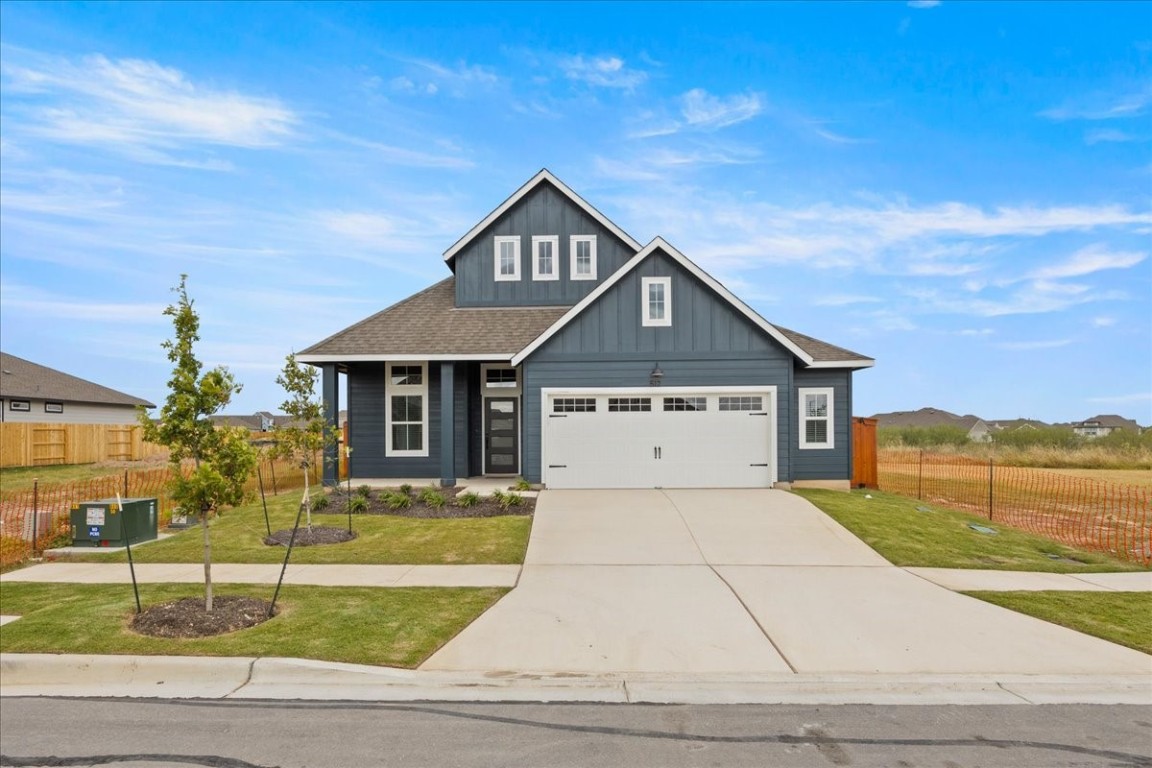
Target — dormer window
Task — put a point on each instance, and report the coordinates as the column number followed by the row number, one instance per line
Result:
column 507, row 258
column 545, row 257
column 582, row 256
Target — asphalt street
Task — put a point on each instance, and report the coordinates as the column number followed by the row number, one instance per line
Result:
column 262, row 734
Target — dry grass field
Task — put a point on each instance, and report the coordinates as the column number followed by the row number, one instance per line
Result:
column 1141, row 477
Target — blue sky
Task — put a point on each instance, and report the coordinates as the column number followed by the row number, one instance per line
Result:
column 961, row 190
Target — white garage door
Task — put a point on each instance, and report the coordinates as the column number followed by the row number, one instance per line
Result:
column 659, row 438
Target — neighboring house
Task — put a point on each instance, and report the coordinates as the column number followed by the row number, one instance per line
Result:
column 36, row 393
column 1010, row 425
column 1098, row 426
column 976, row 428
column 564, row 351
column 261, row 421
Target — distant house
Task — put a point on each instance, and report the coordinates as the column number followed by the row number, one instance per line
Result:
column 261, row 421
column 1014, row 424
column 976, row 428
column 1098, row 426
column 30, row 392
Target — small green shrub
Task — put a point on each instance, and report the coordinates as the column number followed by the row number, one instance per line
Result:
column 358, row 504
column 507, row 499
column 319, row 502
column 406, row 489
column 364, row 490
column 396, row 499
column 469, row 499
column 434, row 499
column 522, row 485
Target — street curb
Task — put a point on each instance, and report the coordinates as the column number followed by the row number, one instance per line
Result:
column 173, row 677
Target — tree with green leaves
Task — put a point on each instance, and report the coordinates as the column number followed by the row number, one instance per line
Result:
column 222, row 459
column 307, row 433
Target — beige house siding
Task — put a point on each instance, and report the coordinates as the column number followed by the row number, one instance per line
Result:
column 73, row 413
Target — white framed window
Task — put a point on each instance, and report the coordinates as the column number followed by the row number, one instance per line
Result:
column 19, row 405
column 502, row 380
column 656, row 300
column 51, row 407
column 816, row 414
column 506, row 261
column 545, row 257
column 406, row 414
column 582, row 257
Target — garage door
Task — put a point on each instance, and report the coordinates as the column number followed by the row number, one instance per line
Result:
column 659, row 438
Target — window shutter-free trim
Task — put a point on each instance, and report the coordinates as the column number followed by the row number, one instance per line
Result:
column 817, row 418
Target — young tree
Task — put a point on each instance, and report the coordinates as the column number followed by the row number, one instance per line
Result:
column 307, row 433
column 222, row 458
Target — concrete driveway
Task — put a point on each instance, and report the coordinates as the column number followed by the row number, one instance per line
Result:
column 753, row 581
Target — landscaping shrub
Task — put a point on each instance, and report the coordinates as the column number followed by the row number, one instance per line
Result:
column 507, row 500
column 468, row 499
column 358, row 504
column 523, row 485
column 406, row 489
column 364, row 490
column 433, row 498
column 396, row 499
column 319, row 502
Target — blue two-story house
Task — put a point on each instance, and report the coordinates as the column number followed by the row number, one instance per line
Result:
column 564, row 351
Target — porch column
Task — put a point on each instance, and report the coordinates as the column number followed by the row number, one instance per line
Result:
column 330, row 387
column 447, row 424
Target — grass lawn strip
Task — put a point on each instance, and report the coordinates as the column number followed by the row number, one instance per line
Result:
column 386, row 627
column 1119, row 617
column 938, row 537
column 238, row 537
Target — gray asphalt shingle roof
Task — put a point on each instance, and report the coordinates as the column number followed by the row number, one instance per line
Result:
column 821, row 351
column 429, row 323
column 21, row 378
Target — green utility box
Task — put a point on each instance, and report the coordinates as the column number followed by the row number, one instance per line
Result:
column 108, row 523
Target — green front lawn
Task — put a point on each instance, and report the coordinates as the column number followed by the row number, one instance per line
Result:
column 392, row 627
column 237, row 537
column 1120, row 617
column 909, row 532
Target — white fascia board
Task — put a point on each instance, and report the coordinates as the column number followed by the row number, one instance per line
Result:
column 518, row 195
column 662, row 244
column 497, row 356
column 842, row 364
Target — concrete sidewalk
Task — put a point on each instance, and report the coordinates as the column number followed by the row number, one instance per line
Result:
column 237, row 573
column 961, row 580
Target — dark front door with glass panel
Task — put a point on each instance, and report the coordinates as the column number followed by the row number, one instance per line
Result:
column 501, row 436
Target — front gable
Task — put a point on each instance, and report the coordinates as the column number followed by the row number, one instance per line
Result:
column 544, row 214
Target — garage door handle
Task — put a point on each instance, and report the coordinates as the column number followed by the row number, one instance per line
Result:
column 657, row 452
column 757, row 465
column 557, row 466
column 557, row 415
column 758, row 414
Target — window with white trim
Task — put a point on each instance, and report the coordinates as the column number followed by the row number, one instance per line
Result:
column 656, row 300
column 506, row 249
column 502, row 380
column 406, row 415
column 582, row 257
column 545, row 257
column 816, row 412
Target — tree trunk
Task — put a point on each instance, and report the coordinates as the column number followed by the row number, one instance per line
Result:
column 207, row 561
column 307, row 498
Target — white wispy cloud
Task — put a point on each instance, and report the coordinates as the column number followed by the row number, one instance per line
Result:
column 705, row 111
column 139, row 107
column 1103, row 321
column 459, row 80
column 923, row 3
column 1092, row 258
column 602, row 71
column 1103, row 106
column 842, row 300
column 1108, row 135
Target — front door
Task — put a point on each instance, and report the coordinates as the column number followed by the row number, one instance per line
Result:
column 501, row 436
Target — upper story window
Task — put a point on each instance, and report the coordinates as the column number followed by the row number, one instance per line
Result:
column 656, row 300
column 816, row 408
column 582, row 257
column 507, row 257
column 500, row 379
column 545, row 257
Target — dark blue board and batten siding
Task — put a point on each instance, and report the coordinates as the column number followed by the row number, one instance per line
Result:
column 709, row 344
column 367, row 428
column 824, row 463
column 543, row 211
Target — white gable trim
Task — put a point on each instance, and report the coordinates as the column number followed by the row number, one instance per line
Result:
column 660, row 243
column 518, row 195
column 380, row 358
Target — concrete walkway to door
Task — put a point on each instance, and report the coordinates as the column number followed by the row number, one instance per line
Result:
column 745, row 581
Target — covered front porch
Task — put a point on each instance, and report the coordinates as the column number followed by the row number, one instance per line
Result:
column 424, row 420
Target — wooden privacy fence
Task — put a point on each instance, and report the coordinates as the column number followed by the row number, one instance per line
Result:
column 30, row 517
column 35, row 444
column 1107, row 517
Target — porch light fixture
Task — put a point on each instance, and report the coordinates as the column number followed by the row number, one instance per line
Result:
column 655, row 377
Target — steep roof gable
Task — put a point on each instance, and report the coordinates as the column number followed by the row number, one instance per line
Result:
column 544, row 176
column 813, row 353
column 22, row 378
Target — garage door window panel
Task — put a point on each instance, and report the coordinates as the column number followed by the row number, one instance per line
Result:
column 574, row 405
column 629, row 404
column 685, row 404
column 816, row 413
column 742, row 403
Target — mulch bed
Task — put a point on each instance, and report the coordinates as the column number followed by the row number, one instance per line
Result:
column 485, row 507
column 307, row 537
column 187, row 617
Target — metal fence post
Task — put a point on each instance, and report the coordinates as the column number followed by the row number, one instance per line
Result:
column 990, row 478
column 35, row 513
